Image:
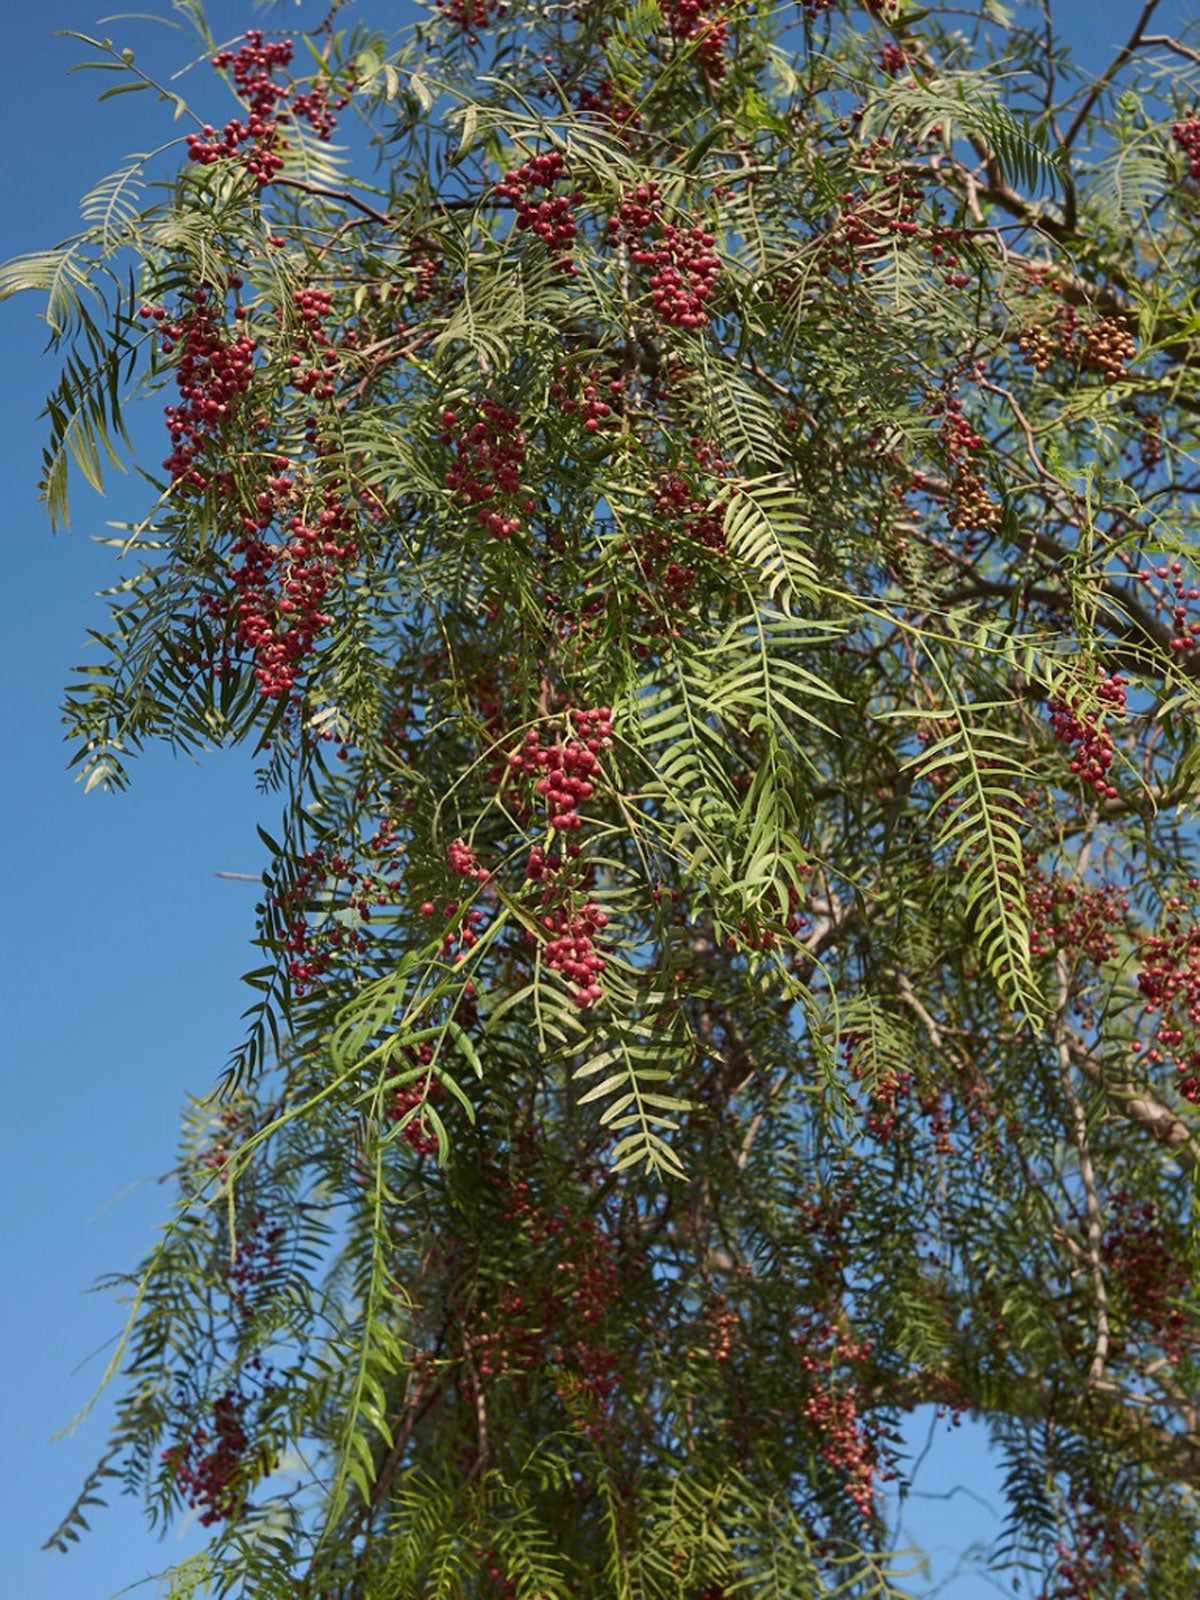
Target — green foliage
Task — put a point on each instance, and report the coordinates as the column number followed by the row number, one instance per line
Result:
column 703, row 542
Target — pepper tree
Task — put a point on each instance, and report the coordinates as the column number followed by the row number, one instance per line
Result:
column 693, row 504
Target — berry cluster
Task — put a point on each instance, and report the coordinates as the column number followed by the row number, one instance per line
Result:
column 467, row 15
column 694, row 21
column 213, row 372
column 258, row 142
column 970, row 504
column 572, row 950
column 1153, row 1277
column 1071, row 916
column 683, row 268
column 1087, row 730
column 254, row 1263
column 684, row 524
column 587, row 398
column 205, row 1468
column 281, row 589
column 1101, row 1558
column 847, row 1440
column 462, row 861
column 311, row 950
column 1172, row 599
column 312, row 306
column 407, row 1101
column 551, row 218
column 887, row 1089
column 554, row 1322
column 1169, row 982
column 489, row 454
column 1187, row 136
column 613, row 104
column 566, row 771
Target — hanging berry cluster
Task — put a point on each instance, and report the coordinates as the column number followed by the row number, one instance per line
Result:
column 318, row 881
column 596, row 401
column 849, row 1441
column 683, row 268
column 1087, row 731
column 467, row 15
column 259, row 142
column 566, row 771
column 554, row 1323
column 313, row 375
column 408, row 1100
column 970, row 504
column 212, row 374
column 552, row 218
column 1100, row 1559
column 489, row 454
column 566, row 774
column 206, row 1467
column 1172, row 599
column 686, row 525
column 696, row 21
column 281, row 589
column 1187, row 136
column 1067, row 915
column 1151, row 1271
column 1169, row 982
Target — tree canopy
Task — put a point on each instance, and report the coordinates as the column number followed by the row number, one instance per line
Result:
column 693, row 503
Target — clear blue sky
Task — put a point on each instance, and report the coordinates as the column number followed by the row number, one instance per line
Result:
column 122, row 948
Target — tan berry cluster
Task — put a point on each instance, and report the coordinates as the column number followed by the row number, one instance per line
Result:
column 971, row 506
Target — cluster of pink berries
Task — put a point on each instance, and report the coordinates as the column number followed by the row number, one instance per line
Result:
column 258, row 142
column 572, row 950
column 468, row 15
column 560, row 1324
column 613, row 104
column 1101, row 1558
column 1172, row 600
column 212, row 374
column 1088, row 732
column 1071, row 916
column 695, row 21
column 1153, row 1276
column 407, row 1100
column 683, row 268
column 1169, row 981
column 281, row 589
column 551, row 218
column 846, row 1442
column 311, row 951
column 315, row 377
column 1187, row 136
column 463, row 862
column 566, row 771
column 489, row 454
column 587, row 398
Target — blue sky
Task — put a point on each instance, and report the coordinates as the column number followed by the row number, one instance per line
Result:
column 122, row 948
